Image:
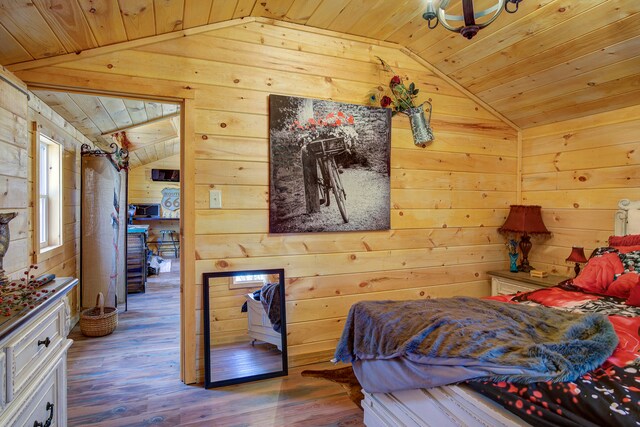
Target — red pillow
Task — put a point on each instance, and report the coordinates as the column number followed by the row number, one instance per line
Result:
column 599, row 273
column 627, row 249
column 622, row 286
column 628, row 240
column 634, row 296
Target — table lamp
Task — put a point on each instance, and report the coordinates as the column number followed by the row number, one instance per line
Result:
column 525, row 219
column 577, row 256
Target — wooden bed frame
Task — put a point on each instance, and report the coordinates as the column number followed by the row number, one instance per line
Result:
column 260, row 327
column 457, row 405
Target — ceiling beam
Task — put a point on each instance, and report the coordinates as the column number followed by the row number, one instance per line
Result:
column 136, row 125
column 175, row 122
column 154, row 143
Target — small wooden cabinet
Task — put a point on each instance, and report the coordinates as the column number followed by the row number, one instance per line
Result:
column 33, row 362
column 137, row 258
column 507, row 283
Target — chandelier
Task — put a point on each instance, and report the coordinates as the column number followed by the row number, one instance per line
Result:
column 436, row 11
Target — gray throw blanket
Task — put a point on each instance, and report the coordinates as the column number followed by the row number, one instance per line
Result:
column 545, row 344
column 270, row 299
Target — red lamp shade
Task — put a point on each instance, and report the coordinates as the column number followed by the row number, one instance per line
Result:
column 577, row 256
column 525, row 219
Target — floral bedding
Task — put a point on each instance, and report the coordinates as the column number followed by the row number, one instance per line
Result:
column 606, row 396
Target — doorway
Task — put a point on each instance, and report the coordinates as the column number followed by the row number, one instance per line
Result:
column 152, row 133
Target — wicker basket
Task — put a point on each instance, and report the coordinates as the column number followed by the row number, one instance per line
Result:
column 100, row 320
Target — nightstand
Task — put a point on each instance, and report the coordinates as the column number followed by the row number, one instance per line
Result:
column 506, row 283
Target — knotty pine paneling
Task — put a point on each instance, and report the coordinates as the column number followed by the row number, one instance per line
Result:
column 16, row 184
column 570, row 58
column 447, row 200
column 142, row 189
column 14, row 164
column 67, row 261
column 577, row 171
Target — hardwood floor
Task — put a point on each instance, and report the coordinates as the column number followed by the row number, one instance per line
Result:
column 237, row 360
column 131, row 378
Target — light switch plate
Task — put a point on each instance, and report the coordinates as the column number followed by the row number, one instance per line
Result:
column 215, row 199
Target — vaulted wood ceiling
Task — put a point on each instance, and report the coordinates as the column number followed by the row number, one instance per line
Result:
column 152, row 129
column 553, row 60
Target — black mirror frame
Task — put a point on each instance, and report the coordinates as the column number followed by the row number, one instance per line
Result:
column 207, row 329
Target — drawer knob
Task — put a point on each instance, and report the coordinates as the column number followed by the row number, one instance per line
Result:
column 46, row 342
column 48, row 422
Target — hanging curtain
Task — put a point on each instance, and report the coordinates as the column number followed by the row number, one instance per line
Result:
column 104, row 226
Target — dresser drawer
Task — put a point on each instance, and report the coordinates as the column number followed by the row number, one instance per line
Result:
column 29, row 351
column 3, row 382
column 44, row 401
column 502, row 286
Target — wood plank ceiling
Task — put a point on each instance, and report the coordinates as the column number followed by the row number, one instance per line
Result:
column 553, row 60
column 151, row 128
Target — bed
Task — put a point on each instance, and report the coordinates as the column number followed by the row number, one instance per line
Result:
column 260, row 327
column 607, row 395
column 264, row 316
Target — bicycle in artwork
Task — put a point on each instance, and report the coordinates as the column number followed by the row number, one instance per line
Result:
column 326, row 174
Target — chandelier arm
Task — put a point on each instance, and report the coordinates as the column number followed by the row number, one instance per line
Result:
column 444, row 18
column 494, row 17
column 467, row 13
column 468, row 17
column 492, row 9
column 516, row 2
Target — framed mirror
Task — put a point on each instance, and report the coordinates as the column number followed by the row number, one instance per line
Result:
column 245, row 335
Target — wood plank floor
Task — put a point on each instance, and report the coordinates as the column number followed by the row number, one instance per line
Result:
column 237, row 360
column 131, row 378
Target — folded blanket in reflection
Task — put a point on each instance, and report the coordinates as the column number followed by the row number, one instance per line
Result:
column 270, row 298
column 539, row 343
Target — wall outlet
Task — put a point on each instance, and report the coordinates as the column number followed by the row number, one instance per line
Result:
column 215, row 199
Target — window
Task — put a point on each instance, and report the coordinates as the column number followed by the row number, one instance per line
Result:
column 248, row 281
column 49, row 161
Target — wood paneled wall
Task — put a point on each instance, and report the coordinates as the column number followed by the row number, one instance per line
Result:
column 447, row 200
column 577, row 171
column 15, row 174
column 16, row 179
column 142, row 189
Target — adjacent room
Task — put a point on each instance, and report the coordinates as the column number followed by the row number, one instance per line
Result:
column 255, row 212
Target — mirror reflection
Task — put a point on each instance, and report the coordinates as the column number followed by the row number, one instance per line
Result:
column 245, row 337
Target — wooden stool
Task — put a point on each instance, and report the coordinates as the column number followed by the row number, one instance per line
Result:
column 169, row 242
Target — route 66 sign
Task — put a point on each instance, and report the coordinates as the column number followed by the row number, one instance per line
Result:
column 171, row 199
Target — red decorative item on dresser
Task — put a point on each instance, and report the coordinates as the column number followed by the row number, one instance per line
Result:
column 525, row 219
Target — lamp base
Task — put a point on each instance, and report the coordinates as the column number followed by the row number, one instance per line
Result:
column 577, row 269
column 525, row 247
column 526, row 268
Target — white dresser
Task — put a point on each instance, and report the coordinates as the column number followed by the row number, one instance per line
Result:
column 507, row 283
column 33, row 362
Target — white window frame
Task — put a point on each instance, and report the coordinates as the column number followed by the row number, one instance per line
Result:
column 49, row 191
column 248, row 281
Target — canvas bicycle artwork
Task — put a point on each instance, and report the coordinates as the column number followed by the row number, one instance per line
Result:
column 329, row 166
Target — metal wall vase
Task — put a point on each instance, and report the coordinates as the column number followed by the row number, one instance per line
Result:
column 420, row 126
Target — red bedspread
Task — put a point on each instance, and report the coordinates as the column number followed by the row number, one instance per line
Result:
column 607, row 396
